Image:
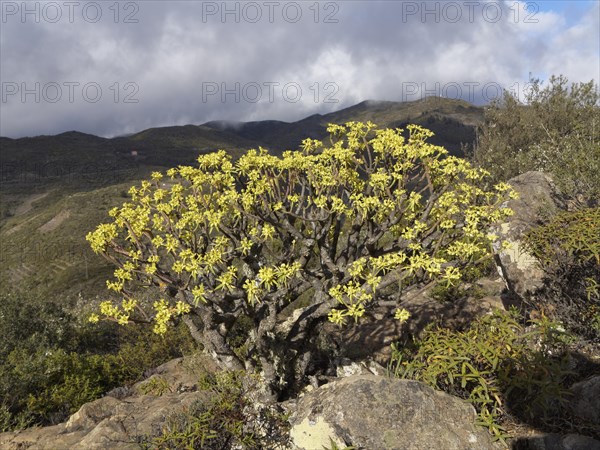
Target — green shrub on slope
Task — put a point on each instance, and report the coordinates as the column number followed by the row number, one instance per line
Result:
column 568, row 249
column 494, row 365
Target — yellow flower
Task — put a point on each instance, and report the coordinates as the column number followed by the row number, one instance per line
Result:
column 182, row 308
column 402, row 315
column 336, row 316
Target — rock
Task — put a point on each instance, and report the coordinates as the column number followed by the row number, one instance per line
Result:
column 373, row 412
column 538, row 198
column 120, row 421
column 181, row 374
column 46, row 438
column 556, row 442
column 133, row 419
column 91, row 414
column 104, row 423
column 346, row 368
column 585, row 402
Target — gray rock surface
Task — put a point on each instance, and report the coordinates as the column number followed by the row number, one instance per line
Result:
column 585, row 402
column 557, row 442
column 102, row 424
column 120, row 421
column 538, row 198
column 373, row 412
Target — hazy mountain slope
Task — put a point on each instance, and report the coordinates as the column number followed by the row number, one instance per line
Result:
column 82, row 156
column 43, row 247
column 453, row 122
column 86, row 160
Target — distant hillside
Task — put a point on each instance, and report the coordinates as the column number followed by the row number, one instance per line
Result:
column 452, row 121
column 76, row 156
column 88, row 161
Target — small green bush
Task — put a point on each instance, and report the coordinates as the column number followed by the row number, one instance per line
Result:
column 556, row 130
column 155, row 386
column 568, row 249
column 229, row 419
column 50, row 364
column 494, row 365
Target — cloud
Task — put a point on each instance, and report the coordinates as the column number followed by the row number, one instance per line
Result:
column 191, row 62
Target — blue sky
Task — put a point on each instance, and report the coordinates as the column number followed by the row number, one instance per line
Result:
column 161, row 63
column 571, row 9
column 561, row 5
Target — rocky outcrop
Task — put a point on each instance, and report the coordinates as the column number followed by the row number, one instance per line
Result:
column 373, row 412
column 538, row 198
column 585, row 401
column 121, row 419
column 364, row 408
column 556, row 442
column 104, row 423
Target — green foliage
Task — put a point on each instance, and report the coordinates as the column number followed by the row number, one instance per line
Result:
column 445, row 292
column 50, row 365
column 568, row 249
column 572, row 236
column 155, row 386
column 60, row 382
column 227, row 419
column 494, row 365
column 556, row 130
column 27, row 323
column 226, row 239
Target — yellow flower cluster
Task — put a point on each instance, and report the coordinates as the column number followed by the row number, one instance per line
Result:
column 426, row 208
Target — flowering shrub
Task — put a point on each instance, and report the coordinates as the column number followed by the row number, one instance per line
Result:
column 229, row 239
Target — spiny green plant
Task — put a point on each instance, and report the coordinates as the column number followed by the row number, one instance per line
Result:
column 573, row 235
column 371, row 211
column 568, row 249
column 494, row 365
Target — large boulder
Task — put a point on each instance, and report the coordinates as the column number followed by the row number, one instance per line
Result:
column 538, row 198
column 585, row 400
column 374, row 412
column 555, row 441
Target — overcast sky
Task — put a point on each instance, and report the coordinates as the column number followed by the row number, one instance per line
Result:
column 110, row 68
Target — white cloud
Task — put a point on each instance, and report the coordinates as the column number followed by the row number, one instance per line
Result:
column 376, row 50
